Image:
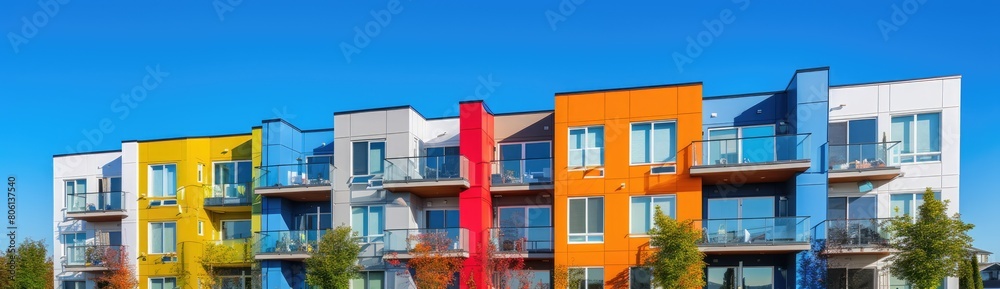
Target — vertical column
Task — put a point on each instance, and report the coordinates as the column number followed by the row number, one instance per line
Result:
column 475, row 205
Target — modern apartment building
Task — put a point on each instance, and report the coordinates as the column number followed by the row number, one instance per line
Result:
column 790, row 189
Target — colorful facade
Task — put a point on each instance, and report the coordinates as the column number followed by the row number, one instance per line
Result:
column 788, row 187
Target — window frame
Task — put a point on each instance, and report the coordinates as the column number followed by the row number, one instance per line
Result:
column 149, row 234
column 740, row 138
column 914, row 197
column 201, row 228
column 164, row 278
column 367, row 152
column 222, row 227
column 586, row 273
column 651, row 144
column 67, row 198
column 366, row 274
column 236, row 170
column 583, row 149
column 149, row 180
column 368, row 238
column 586, row 221
column 651, row 209
column 913, row 138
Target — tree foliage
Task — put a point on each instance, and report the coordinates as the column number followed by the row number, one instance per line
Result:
column 32, row 266
column 970, row 277
column 930, row 247
column 675, row 261
column 333, row 264
column 224, row 253
column 507, row 264
column 120, row 274
column 432, row 263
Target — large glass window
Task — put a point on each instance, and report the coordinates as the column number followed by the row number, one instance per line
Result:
column 368, row 222
column 742, row 220
column 236, row 229
column 586, row 146
column 643, row 209
column 907, row 204
column 854, row 208
column 163, row 283
column 369, row 280
column 531, row 226
column 839, row 278
column 920, row 135
column 586, row 219
column 163, row 180
column 442, row 162
column 74, row 244
column 640, row 278
column 74, row 284
column 526, row 162
column 654, row 142
column 232, row 179
column 753, row 277
column 76, row 195
column 587, row 278
column 368, row 158
column 749, row 144
column 163, row 238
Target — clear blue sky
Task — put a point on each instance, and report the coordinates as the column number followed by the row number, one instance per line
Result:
column 266, row 59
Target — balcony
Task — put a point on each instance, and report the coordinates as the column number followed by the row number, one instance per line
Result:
column 413, row 243
column 91, row 258
column 229, row 253
column 287, row 245
column 303, row 182
column 523, row 242
column 428, row 177
column 521, row 176
column 751, row 159
column 97, row 207
column 853, row 237
column 754, row 235
column 864, row 162
column 227, row 198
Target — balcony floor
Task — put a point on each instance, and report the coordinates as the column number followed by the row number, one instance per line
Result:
column 407, row 255
column 857, row 250
column 526, row 188
column 282, row 256
column 428, row 188
column 870, row 174
column 98, row 216
column 83, row 268
column 315, row 193
column 755, row 249
column 750, row 172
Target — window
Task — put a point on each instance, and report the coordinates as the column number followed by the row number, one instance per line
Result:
column 74, row 246
column 74, row 284
column 76, row 195
column 368, row 222
column 853, row 208
column 643, row 209
column 907, row 204
column 163, row 238
column 529, row 226
column 752, row 277
column 163, row 180
column 586, row 219
column 640, row 278
column 654, row 142
column 750, row 144
column 850, row 278
column 590, row 278
column 896, row 283
column 586, row 146
column 369, row 280
column 163, row 283
column 920, row 137
column 525, row 162
column 201, row 173
column 232, row 179
column 236, row 229
column 201, row 228
column 368, row 158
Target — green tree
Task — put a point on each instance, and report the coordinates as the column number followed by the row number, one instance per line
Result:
column 931, row 247
column 333, row 264
column 676, row 261
column 33, row 266
column 975, row 277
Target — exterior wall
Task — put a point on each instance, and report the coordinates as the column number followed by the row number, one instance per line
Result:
column 476, row 203
column 186, row 154
column 91, row 167
column 616, row 110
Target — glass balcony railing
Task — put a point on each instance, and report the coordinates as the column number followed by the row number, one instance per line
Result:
column 864, row 156
column 754, row 231
column 231, row 251
column 91, row 255
column 751, row 150
column 847, row 233
column 522, row 239
column 411, row 169
column 300, row 174
column 427, row 240
column 95, row 202
column 288, row 242
column 521, row 171
column 230, row 195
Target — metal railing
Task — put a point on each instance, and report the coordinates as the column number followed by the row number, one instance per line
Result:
column 232, row 251
column 95, row 202
column 853, row 233
column 91, row 255
column 300, row 174
column 522, row 239
column 864, row 156
column 750, row 150
column 754, row 231
column 240, row 194
column 435, row 240
column 407, row 169
column 521, row 171
column 288, row 242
